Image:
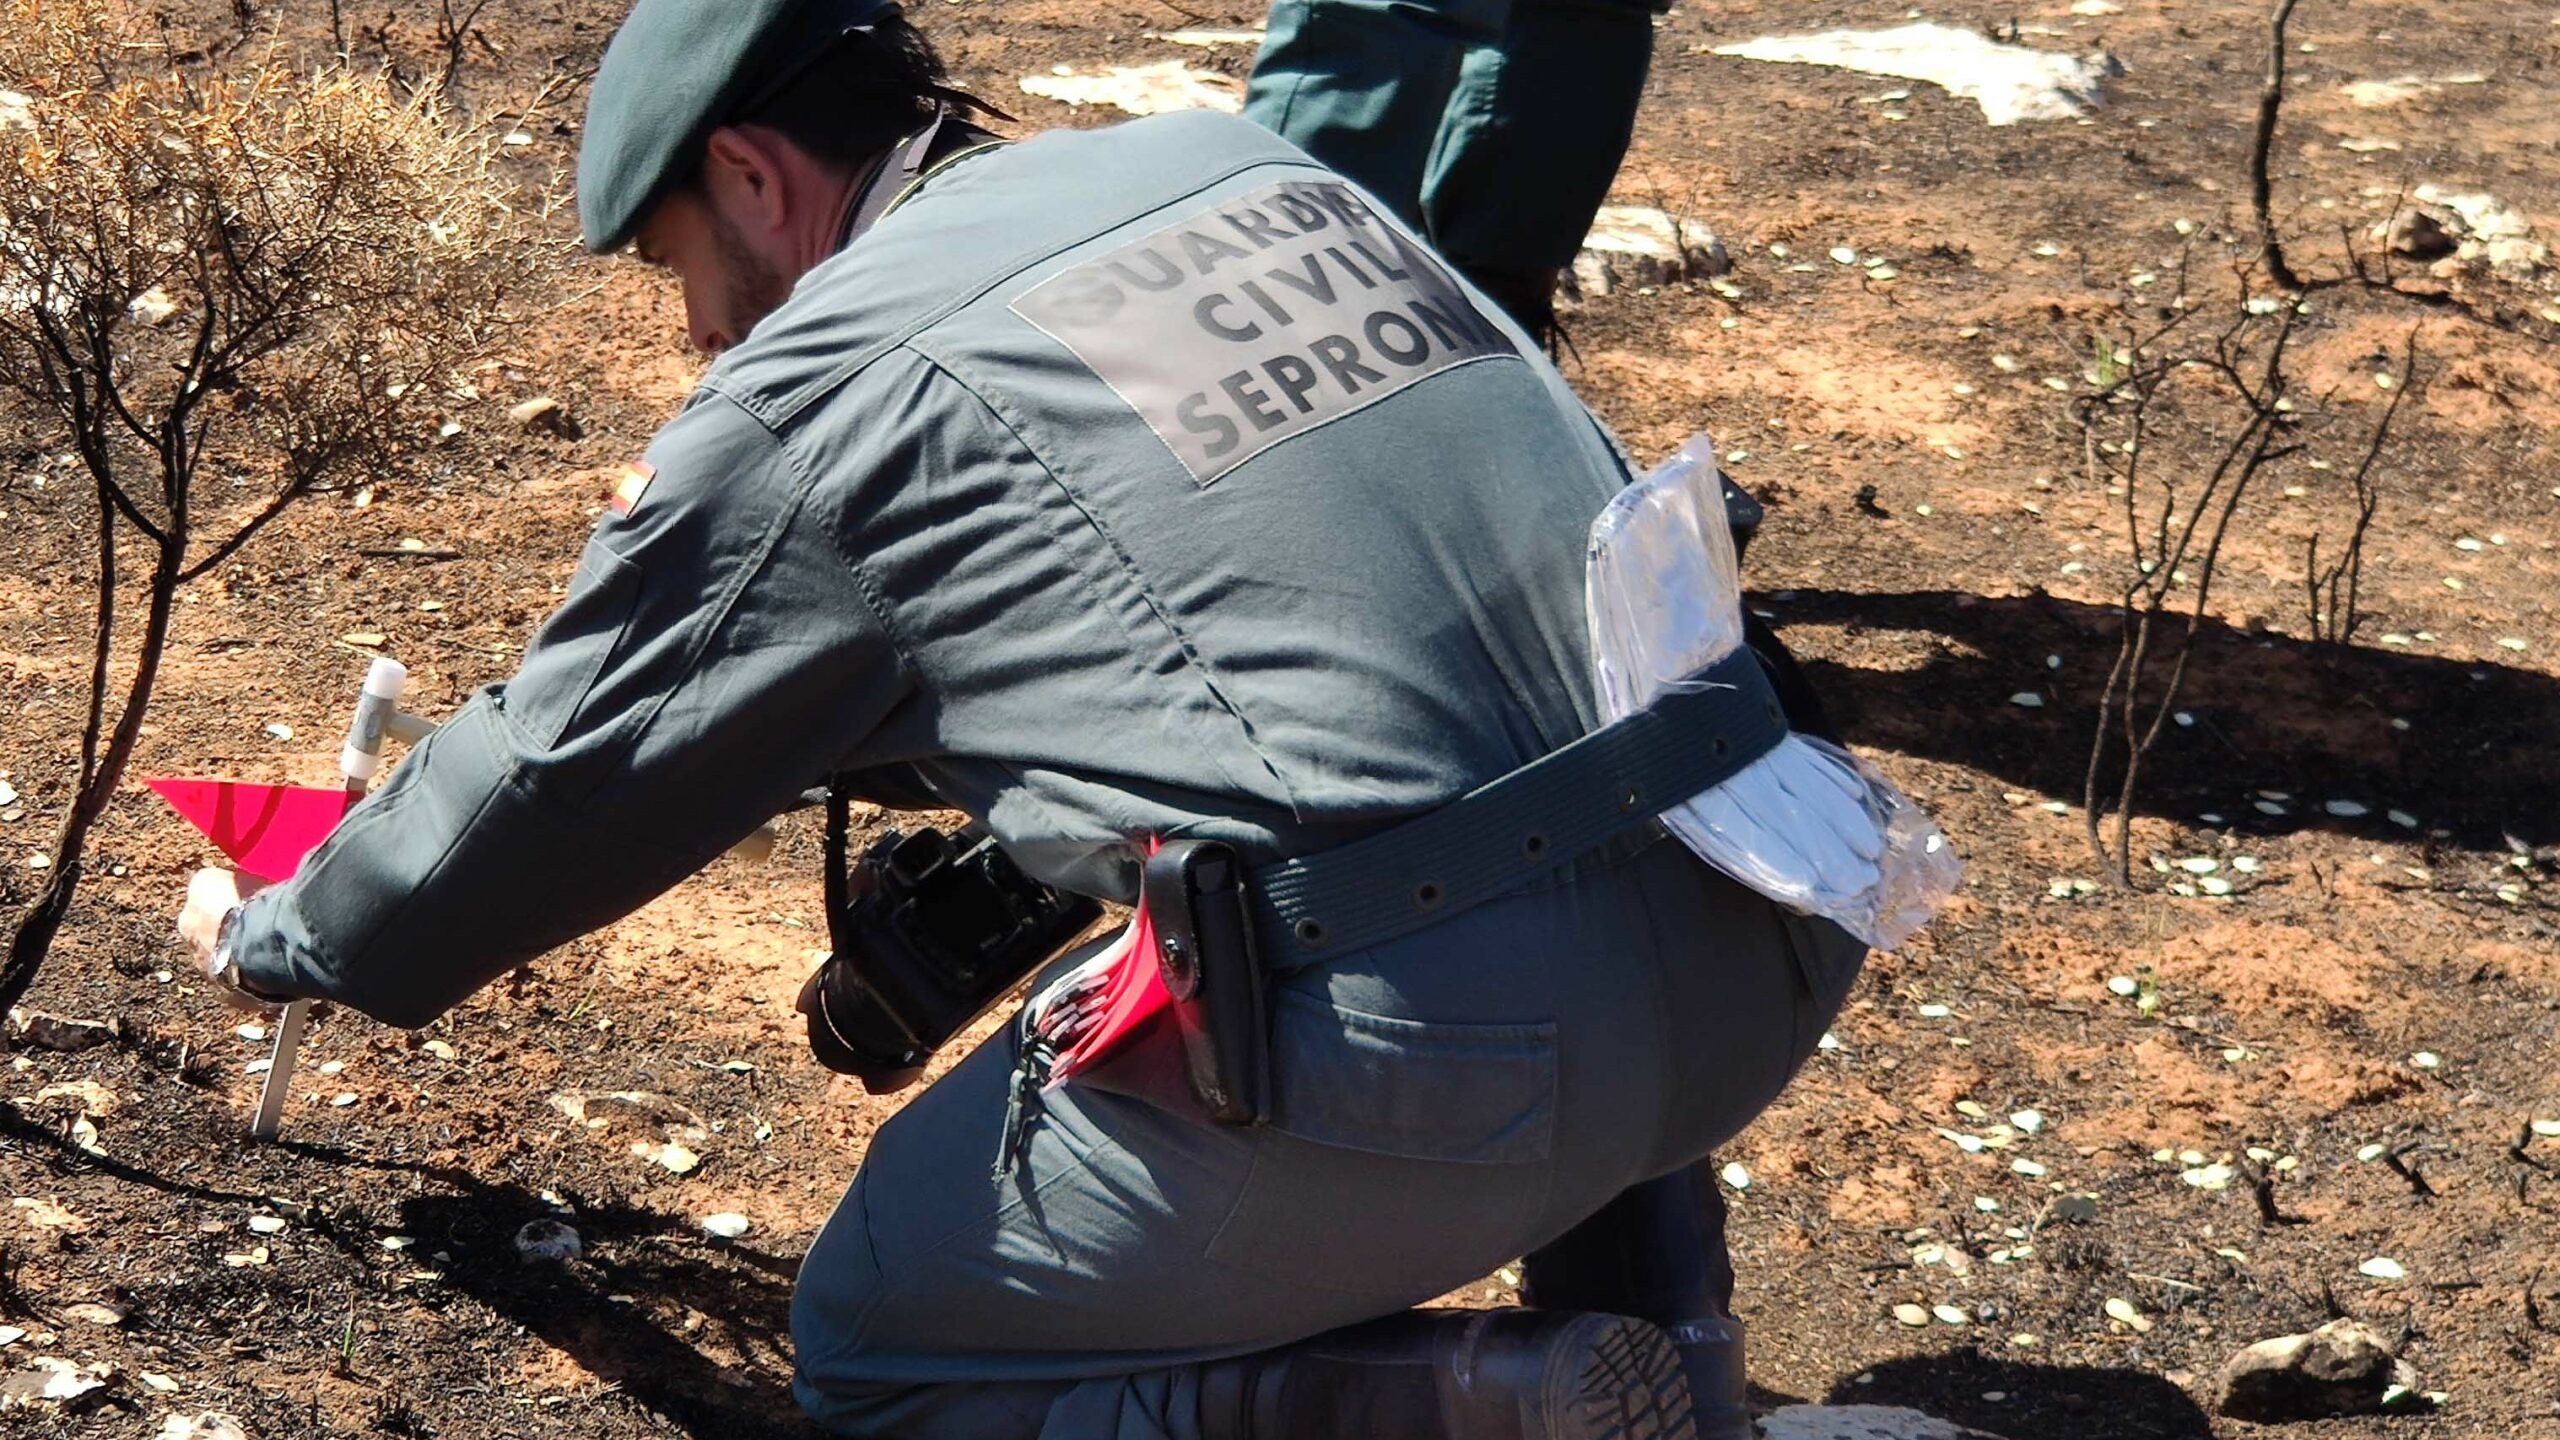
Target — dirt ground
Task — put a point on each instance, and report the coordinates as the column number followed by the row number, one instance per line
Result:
column 2364, row 1020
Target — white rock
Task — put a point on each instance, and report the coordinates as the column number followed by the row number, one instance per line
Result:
column 46, row 1215
column 671, row 1155
column 1207, row 37
column 539, row 1240
column 728, row 1224
column 152, row 307
column 1633, row 246
column 2382, row 94
column 2383, row 1267
column 39, row 1030
column 1735, row 1176
column 17, row 112
column 1860, row 1422
column 542, row 411
column 50, row 1382
column 211, row 1425
column 2010, row 82
column 2483, row 216
column 1139, row 89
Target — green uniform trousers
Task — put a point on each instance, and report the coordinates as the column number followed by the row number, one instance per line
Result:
column 1446, row 1103
column 1492, row 126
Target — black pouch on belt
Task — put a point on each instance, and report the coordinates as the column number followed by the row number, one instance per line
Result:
column 1196, row 897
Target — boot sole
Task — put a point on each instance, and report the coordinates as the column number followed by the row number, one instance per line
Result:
column 1627, row 1386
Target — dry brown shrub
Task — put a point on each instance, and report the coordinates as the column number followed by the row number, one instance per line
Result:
column 263, row 270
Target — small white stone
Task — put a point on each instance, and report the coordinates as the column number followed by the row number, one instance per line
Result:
column 728, row 1224
column 2209, row 1177
column 2383, row 1267
column 538, row 1240
column 1735, row 1176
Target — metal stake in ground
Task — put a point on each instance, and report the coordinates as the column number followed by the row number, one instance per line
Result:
column 358, row 762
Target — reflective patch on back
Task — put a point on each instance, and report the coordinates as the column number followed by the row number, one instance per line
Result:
column 1262, row 317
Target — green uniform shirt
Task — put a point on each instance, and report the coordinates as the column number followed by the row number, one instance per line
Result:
column 1125, row 482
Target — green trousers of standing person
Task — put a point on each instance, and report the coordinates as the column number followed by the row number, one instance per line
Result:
column 1493, row 126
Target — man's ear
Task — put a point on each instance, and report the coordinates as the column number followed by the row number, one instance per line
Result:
column 745, row 179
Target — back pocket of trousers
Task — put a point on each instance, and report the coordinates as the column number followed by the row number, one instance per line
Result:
column 1404, row 1158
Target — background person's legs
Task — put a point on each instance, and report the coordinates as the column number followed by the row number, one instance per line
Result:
column 1362, row 85
column 1447, row 1104
column 1532, row 138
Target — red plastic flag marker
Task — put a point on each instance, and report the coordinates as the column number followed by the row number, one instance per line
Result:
column 1128, row 995
column 268, row 829
column 265, row 829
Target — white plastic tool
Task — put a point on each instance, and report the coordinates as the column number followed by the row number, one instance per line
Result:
column 358, row 762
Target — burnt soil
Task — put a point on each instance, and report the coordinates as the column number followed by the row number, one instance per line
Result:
column 1935, row 549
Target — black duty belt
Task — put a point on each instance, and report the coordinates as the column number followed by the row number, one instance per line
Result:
column 1512, row 832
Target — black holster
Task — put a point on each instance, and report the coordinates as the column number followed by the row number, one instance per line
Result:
column 1197, row 899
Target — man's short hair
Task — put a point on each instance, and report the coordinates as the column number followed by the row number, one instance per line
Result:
column 855, row 98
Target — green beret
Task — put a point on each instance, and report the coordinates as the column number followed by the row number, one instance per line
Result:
column 676, row 71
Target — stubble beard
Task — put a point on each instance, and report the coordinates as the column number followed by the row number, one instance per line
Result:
column 754, row 288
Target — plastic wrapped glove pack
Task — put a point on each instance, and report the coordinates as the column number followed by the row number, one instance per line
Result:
column 1808, row 824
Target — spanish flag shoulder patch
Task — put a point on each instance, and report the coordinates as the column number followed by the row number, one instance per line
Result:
column 629, row 484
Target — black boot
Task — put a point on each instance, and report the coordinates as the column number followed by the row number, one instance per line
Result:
column 1456, row 1375
column 1657, row 1253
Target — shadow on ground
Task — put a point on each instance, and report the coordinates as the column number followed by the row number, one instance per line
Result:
column 1932, row 673
column 2036, row 1402
column 647, row 1308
